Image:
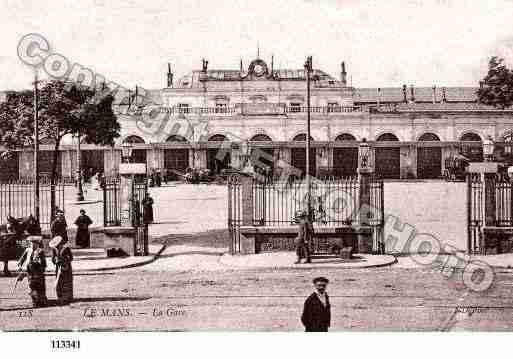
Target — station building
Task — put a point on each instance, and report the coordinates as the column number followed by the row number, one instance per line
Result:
column 412, row 130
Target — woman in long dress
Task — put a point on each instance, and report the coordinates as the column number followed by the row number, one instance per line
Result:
column 62, row 258
column 83, row 222
column 33, row 261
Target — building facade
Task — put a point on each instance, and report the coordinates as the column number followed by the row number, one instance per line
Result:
column 213, row 118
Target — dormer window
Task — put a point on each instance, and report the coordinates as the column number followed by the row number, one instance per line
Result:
column 221, row 107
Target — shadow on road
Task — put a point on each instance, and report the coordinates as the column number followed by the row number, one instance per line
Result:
column 215, row 238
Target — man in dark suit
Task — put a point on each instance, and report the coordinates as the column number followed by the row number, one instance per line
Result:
column 316, row 315
column 304, row 237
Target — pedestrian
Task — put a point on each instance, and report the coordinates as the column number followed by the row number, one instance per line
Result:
column 62, row 258
column 303, row 238
column 147, row 209
column 83, row 237
column 59, row 227
column 316, row 315
column 33, row 262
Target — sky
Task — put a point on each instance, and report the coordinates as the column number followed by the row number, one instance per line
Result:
column 384, row 43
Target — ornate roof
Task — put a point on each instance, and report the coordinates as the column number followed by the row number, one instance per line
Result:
column 257, row 70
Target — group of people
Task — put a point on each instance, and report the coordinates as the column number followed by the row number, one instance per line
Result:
column 32, row 263
column 59, row 227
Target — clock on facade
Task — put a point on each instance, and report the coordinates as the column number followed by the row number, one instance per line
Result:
column 259, row 70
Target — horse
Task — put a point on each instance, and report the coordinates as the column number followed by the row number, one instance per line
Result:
column 28, row 224
column 19, row 227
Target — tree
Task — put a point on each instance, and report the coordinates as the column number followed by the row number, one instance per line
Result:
column 63, row 109
column 497, row 86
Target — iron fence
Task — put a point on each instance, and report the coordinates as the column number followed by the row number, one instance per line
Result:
column 112, row 214
column 17, row 199
column 334, row 203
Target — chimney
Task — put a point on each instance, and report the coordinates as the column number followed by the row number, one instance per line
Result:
column 272, row 64
column 434, row 93
column 481, row 84
column 169, row 76
column 405, row 97
column 412, row 93
column 378, row 101
column 343, row 74
column 241, row 69
column 444, row 98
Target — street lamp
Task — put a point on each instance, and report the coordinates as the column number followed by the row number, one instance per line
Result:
column 126, row 151
column 308, row 73
column 488, row 149
column 80, row 191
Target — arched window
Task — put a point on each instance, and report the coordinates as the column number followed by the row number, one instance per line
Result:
column 428, row 136
column 473, row 152
column 470, row 136
column 302, row 137
column 387, row 137
column 176, row 138
column 133, row 139
column 218, row 138
column 261, row 137
column 345, row 137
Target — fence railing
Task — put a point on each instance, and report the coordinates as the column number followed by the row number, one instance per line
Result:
column 334, row 202
column 17, row 199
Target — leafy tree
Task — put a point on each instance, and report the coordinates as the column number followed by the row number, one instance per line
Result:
column 497, row 87
column 63, row 109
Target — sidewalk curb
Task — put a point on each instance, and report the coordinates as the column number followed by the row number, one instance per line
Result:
column 300, row 267
column 126, row 266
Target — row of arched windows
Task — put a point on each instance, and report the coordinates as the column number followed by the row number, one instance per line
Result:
column 469, row 136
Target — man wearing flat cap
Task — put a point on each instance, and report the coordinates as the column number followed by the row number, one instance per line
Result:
column 316, row 315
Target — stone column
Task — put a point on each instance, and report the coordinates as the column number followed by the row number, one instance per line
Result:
column 408, row 158
column 112, row 159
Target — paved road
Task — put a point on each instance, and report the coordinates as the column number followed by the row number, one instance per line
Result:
column 371, row 299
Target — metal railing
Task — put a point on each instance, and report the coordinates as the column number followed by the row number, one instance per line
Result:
column 17, row 199
column 265, row 108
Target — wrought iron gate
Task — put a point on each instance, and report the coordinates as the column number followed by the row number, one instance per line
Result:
column 502, row 202
column 112, row 210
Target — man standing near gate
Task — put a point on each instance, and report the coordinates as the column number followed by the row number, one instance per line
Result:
column 303, row 238
column 316, row 315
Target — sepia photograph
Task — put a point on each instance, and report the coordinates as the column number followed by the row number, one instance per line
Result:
column 239, row 167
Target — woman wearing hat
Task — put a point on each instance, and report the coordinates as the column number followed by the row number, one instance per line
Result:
column 59, row 227
column 33, row 262
column 62, row 258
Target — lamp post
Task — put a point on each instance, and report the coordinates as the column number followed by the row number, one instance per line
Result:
column 488, row 149
column 364, row 153
column 126, row 151
column 308, row 73
column 80, row 191
column 36, row 152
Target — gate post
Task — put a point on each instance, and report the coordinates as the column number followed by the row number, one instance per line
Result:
column 488, row 172
column 364, row 196
column 247, row 200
